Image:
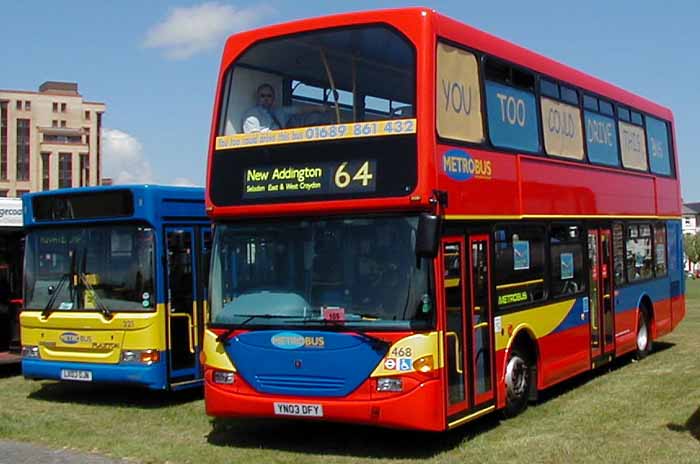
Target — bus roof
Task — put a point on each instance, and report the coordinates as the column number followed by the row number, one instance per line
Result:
column 412, row 20
column 150, row 203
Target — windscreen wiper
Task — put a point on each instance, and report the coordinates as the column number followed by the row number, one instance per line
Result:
column 52, row 299
column 249, row 317
column 374, row 342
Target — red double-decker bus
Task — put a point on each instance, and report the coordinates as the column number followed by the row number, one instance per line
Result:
column 418, row 223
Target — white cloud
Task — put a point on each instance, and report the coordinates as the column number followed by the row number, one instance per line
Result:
column 122, row 158
column 190, row 30
column 183, row 182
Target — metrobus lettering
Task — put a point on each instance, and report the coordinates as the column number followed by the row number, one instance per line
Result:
column 561, row 124
column 599, row 132
column 459, row 165
column 512, row 298
column 455, row 97
column 512, row 110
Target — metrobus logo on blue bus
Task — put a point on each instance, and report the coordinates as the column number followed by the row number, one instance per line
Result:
column 460, row 165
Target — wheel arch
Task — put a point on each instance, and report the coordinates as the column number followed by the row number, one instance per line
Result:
column 647, row 304
column 525, row 339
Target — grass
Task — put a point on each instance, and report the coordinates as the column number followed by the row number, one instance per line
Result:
column 640, row 412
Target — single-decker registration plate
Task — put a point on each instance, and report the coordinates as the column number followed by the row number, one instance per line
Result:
column 75, row 374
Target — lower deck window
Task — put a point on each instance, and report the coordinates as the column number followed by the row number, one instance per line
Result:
column 519, row 264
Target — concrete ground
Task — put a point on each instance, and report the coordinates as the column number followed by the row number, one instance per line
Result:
column 12, row 452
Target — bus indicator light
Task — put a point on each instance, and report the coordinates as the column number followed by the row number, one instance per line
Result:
column 424, row 364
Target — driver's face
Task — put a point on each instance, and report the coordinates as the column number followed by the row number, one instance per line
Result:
column 266, row 97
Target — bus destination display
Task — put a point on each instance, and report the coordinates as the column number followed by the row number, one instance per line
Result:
column 318, row 178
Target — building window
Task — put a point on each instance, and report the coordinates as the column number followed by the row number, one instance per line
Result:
column 18, row 105
column 65, row 170
column 84, row 169
column 27, row 105
column 54, row 123
column 3, row 193
column 45, row 171
column 686, row 221
column 3, row 141
column 63, row 123
column 86, row 131
column 63, row 107
column 87, row 115
column 20, row 193
column 23, row 149
column 55, row 107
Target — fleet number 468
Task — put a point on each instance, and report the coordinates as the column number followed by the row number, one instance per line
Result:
column 343, row 178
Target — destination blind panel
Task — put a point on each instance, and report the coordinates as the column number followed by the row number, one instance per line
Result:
column 330, row 178
column 333, row 170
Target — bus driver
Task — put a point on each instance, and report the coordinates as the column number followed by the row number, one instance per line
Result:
column 264, row 117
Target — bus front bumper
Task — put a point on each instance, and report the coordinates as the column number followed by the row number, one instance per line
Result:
column 418, row 409
column 153, row 376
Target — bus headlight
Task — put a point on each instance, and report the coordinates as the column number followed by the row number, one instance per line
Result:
column 388, row 384
column 146, row 357
column 223, row 377
column 30, row 351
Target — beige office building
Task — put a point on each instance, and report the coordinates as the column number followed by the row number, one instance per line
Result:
column 48, row 139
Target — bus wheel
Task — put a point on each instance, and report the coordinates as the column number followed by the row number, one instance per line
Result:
column 643, row 333
column 517, row 383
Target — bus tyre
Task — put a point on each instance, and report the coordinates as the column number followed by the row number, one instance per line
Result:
column 518, row 381
column 643, row 339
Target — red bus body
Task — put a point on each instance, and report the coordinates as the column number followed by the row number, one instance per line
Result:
column 521, row 187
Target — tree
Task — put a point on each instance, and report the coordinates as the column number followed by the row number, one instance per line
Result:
column 691, row 247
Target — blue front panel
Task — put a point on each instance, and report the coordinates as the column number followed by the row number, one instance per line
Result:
column 512, row 115
column 601, row 139
column 153, row 377
column 304, row 363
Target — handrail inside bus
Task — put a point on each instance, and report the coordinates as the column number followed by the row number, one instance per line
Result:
column 331, row 82
column 520, row 284
column 457, row 363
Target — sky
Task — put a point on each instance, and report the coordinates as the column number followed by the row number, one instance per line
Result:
column 154, row 63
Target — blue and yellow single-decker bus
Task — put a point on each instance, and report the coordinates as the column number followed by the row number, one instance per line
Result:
column 115, row 285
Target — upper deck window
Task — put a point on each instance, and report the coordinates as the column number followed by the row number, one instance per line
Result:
column 601, row 131
column 659, row 150
column 632, row 141
column 458, row 95
column 561, row 120
column 320, row 78
column 511, row 107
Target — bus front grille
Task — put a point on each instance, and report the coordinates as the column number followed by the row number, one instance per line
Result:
column 300, row 384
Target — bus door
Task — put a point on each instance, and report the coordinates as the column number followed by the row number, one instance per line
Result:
column 183, row 315
column 467, row 338
column 600, row 295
